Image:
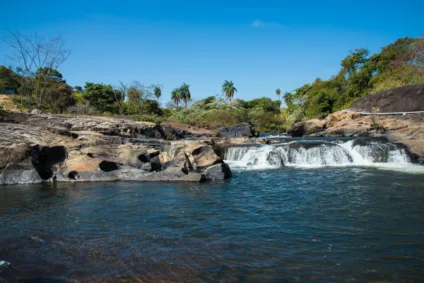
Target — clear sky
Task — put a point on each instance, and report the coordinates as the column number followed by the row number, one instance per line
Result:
column 260, row 45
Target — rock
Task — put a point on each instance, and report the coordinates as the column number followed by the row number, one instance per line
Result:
column 36, row 111
column 80, row 162
column 314, row 126
column 205, row 156
column 12, row 151
column 274, row 158
column 108, row 166
column 5, row 271
column 217, row 172
column 239, row 130
column 44, row 157
column 331, row 120
column 20, row 174
column 401, row 99
column 297, row 129
column 156, row 164
column 125, row 154
column 198, row 153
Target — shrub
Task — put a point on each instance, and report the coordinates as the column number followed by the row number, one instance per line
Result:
column 3, row 112
column 148, row 118
column 82, row 109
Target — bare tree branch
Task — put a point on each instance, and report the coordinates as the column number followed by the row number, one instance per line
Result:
column 37, row 58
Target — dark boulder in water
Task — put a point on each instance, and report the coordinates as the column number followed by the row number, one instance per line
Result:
column 217, row 172
column 274, row 158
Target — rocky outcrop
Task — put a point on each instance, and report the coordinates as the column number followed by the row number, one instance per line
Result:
column 404, row 129
column 239, row 130
column 303, row 128
column 401, row 99
column 42, row 148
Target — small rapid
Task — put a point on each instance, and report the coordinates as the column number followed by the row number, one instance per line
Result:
column 307, row 153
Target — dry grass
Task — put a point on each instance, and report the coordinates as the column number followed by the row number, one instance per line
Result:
column 7, row 102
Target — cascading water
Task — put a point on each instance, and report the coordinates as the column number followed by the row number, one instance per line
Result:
column 306, row 153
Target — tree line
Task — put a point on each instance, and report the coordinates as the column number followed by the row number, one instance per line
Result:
column 397, row 64
column 37, row 83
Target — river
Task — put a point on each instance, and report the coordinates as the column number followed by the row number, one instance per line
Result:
column 295, row 224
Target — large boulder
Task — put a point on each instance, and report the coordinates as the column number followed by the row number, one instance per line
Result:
column 305, row 128
column 217, row 172
column 401, row 99
column 297, row 129
column 239, row 130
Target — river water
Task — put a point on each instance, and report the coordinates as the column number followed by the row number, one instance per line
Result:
column 329, row 223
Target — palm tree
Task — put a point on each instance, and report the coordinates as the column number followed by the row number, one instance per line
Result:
column 278, row 92
column 185, row 93
column 176, row 95
column 158, row 92
column 228, row 89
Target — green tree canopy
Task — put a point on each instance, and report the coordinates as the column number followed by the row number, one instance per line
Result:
column 102, row 97
column 228, row 89
column 9, row 80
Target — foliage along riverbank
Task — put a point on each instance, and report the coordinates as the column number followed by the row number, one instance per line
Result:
column 397, row 64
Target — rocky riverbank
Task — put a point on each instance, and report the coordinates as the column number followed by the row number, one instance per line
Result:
column 405, row 129
column 38, row 148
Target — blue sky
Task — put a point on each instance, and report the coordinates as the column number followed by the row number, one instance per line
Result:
column 260, row 45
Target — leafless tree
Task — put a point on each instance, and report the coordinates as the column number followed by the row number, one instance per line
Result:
column 37, row 58
column 121, row 98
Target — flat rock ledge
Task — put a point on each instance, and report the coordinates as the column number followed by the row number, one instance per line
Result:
column 50, row 149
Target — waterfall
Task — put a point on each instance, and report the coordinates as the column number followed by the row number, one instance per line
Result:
column 306, row 153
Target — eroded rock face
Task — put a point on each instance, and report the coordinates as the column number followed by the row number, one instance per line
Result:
column 239, row 130
column 68, row 152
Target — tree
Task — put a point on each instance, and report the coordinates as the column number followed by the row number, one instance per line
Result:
column 34, row 53
column 59, row 96
column 185, row 93
column 278, row 92
column 176, row 96
column 77, row 88
column 120, row 97
column 228, row 89
column 9, row 80
column 158, row 92
column 102, row 97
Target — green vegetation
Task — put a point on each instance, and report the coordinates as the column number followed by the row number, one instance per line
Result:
column 228, row 89
column 213, row 112
column 2, row 111
column 278, row 93
column 42, row 86
column 397, row 64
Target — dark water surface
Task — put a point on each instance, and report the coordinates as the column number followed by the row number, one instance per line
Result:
column 327, row 224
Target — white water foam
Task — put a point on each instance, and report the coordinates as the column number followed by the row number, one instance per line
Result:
column 318, row 154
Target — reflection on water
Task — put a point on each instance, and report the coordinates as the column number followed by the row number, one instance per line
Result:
column 336, row 224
